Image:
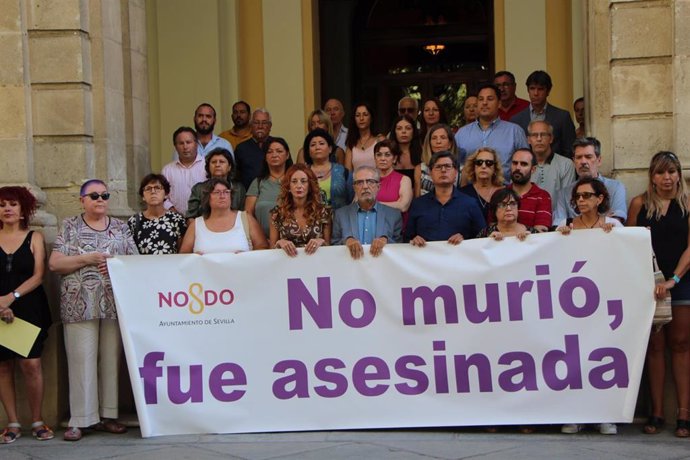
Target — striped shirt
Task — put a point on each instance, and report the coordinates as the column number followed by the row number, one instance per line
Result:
column 535, row 207
column 182, row 178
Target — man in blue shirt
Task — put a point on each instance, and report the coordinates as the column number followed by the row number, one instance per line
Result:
column 444, row 214
column 366, row 221
column 204, row 124
column 490, row 131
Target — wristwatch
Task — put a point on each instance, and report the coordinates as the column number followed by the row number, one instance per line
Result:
column 16, row 294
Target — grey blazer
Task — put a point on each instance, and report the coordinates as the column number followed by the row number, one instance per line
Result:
column 388, row 223
column 563, row 128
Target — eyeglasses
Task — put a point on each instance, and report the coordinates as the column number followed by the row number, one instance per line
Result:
column 94, row 196
column 584, row 195
column 220, row 192
column 369, row 182
column 410, row 110
column 153, row 189
column 538, row 135
column 488, row 163
column 507, row 204
column 383, row 154
column 443, row 167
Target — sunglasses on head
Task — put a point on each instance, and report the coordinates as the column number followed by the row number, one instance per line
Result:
column 488, row 163
column 94, row 196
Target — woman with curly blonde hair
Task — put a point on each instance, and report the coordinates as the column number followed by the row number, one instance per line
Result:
column 301, row 219
column 484, row 172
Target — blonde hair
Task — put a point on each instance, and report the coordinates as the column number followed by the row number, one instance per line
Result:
column 323, row 118
column 661, row 162
column 426, row 146
column 497, row 179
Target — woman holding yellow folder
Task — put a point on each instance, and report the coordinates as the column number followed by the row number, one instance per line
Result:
column 22, row 264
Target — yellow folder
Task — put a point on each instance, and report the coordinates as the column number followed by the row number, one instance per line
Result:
column 19, row 336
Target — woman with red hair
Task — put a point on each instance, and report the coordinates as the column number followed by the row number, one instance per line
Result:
column 22, row 264
column 300, row 219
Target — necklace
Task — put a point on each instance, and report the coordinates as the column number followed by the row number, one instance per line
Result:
column 364, row 141
column 590, row 226
column 322, row 174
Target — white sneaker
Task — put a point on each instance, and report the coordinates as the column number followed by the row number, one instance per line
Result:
column 571, row 428
column 608, row 428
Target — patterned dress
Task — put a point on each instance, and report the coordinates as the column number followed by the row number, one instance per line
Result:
column 289, row 229
column 157, row 236
column 85, row 294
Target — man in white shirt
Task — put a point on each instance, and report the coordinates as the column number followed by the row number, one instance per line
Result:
column 185, row 171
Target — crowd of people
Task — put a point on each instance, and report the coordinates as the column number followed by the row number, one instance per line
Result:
column 515, row 168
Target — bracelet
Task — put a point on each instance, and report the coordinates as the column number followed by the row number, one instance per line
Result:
column 675, row 278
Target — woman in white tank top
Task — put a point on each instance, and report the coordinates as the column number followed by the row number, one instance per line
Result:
column 222, row 229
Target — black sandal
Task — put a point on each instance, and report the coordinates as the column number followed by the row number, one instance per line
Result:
column 654, row 425
column 682, row 428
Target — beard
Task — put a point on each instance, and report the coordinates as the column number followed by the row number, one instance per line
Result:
column 204, row 131
column 519, row 179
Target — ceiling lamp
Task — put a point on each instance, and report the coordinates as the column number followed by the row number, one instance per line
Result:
column 434, row 49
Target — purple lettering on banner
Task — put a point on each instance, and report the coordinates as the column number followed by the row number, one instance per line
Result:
column 516, row 290
column 429, row 298
column 216, row 382
column 440, row 367
column 544, row 297
column 298, row 380
column 588, row 287
column 368, row 308
column 526, row 370
column 323, row 372
column 571, row 359
column 150, row 372
column 618, row 367
column 615, row 309
column 195, row 393
column 360, row 376
column 492, row 312
column 402, row 368
column 462, row 372
column 320, row 311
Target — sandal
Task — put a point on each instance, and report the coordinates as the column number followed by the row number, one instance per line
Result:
column 72, row 434
column 682, row 428
column 654, row 425
column 110, row 426
column 41, row 431
column 11, row 433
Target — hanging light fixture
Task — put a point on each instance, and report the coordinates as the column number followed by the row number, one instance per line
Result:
column 434, row 49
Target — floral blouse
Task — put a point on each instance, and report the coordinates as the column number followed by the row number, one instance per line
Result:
column 289, row 229
column 157, row 236
column 85, row 294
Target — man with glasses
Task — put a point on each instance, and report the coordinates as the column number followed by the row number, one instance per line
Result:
column 445, row 214
column 185, row 171
column 408, row 106
column 510, row 104
column 587, row 159
column 490, row 131
column 553, row 171
column 535, row 203
column 249, row 156
column 366, row 221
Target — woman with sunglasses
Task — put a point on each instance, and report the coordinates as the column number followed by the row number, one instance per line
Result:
column 483, row 169
column 22, row 264
column 156, row 230
column 87, row 310
column 665, row 210
column 591, row 201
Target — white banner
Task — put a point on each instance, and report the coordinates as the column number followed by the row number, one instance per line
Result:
column 550, row 330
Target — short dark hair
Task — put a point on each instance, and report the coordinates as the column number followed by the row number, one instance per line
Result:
column 500, row 196
column 586, row 142
column 443, row 154
column 579, row 99
column 318, row 132
column 391, row 144
column 26, row 199
column 249, row 109
column 151, row 178
column 89, row 182
column 541, row 78
column 220, row 151
column 524, row 149
column 599, row 189
column 505, row 73
column 492, row 87
column 184, row 129
column 206, row 195
column 265, row 170
column 205, row 104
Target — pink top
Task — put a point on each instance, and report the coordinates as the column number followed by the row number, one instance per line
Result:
column 389, row 190
column 363, row 157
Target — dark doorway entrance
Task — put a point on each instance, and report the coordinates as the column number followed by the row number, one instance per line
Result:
column 381, row 50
